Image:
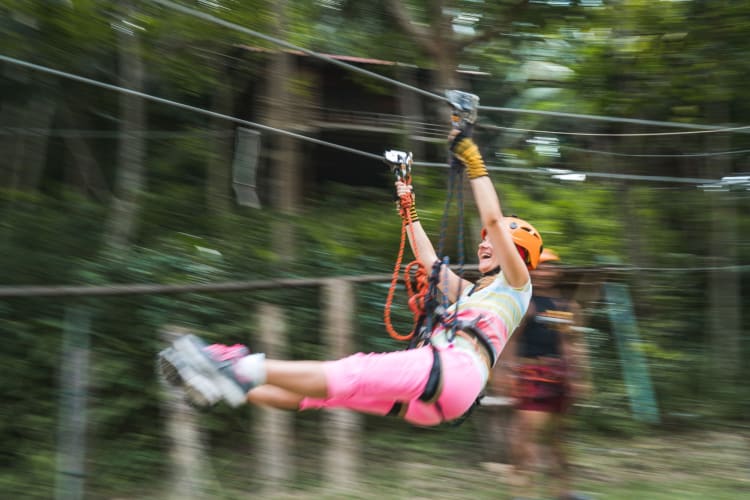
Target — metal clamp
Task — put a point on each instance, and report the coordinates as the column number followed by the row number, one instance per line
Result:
column 465, row 108
column 399, row 162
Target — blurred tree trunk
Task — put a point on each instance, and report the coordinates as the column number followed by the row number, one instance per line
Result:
column 342, row 427
column 433, row 32
column 273, row 426
column 285, row 173
column 436, row 40
column 119, row 230
column 286, row 169
column 129, row 179
column 724, row 307
column 188, row 459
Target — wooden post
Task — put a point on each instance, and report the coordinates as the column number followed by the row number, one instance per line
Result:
column 187, row 450
column 273, row 430
column 342, row 427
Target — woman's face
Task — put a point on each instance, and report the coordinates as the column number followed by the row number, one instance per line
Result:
column 486, row 256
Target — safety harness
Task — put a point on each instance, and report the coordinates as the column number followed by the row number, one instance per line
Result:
column 423, row 298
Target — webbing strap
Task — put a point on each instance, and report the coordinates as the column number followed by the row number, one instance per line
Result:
column 434, row 385
column 455, row 184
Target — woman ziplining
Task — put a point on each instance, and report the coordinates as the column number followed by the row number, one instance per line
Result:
column 436, row 382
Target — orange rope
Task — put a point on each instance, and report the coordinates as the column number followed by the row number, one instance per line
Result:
column 416, row 293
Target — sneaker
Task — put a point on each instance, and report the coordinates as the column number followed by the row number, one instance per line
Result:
column 204, row 371
column 171, row 365
column 168, row 365
column 178, row 373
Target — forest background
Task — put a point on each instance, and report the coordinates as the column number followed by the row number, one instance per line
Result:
column 100, row 187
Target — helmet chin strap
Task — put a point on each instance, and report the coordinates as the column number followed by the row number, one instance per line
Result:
column 495, row 270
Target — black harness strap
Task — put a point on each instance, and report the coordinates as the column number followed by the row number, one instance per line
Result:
column 434, row 385
column 432, row 388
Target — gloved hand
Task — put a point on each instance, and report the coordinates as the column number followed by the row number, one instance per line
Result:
column 406, row 202
column 467, row 152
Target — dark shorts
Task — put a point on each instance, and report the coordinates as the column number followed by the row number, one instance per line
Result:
column 542, row 387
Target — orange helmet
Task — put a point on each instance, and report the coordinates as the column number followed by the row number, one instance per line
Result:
column 527, row 239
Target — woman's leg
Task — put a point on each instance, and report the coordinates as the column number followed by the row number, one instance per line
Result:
column 371, row 406
column 363, row 382
column 275, row 397
column 307, row 378
column 394, row 376
column 387, row 379
column 526, row 453
column 558, row 454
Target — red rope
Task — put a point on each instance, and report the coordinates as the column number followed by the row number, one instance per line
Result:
column 416, row 293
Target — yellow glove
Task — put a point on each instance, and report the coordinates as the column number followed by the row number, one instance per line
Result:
column 467, row 151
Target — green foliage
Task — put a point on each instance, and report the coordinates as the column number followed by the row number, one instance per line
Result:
column 636, row 59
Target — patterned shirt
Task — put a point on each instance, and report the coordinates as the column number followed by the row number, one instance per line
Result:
column 495, row 311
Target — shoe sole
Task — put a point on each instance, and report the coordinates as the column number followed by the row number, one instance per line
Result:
column 201, row 378
column 167, row 365
column 177, row 373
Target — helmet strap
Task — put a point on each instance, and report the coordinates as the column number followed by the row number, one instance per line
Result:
column 492, row 272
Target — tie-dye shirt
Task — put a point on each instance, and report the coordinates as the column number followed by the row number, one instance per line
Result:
column 495, row 311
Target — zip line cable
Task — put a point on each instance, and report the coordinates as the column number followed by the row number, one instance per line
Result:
column 227, row 24
column 633, row 155
column 105, row 134
column 602, row 175
column 379, row 158
column 743, row 129
column 161, row 100
column 698, row 128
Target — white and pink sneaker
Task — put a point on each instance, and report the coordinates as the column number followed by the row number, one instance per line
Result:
column 208, row 373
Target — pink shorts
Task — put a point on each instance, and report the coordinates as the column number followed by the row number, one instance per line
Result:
column 373, row 383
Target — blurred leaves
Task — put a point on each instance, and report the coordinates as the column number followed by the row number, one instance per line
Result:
column 683, row 61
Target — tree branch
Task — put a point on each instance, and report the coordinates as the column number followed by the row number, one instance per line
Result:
column 404, row 19
column 498, row 29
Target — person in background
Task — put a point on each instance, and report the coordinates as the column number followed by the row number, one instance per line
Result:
column 551, row 370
